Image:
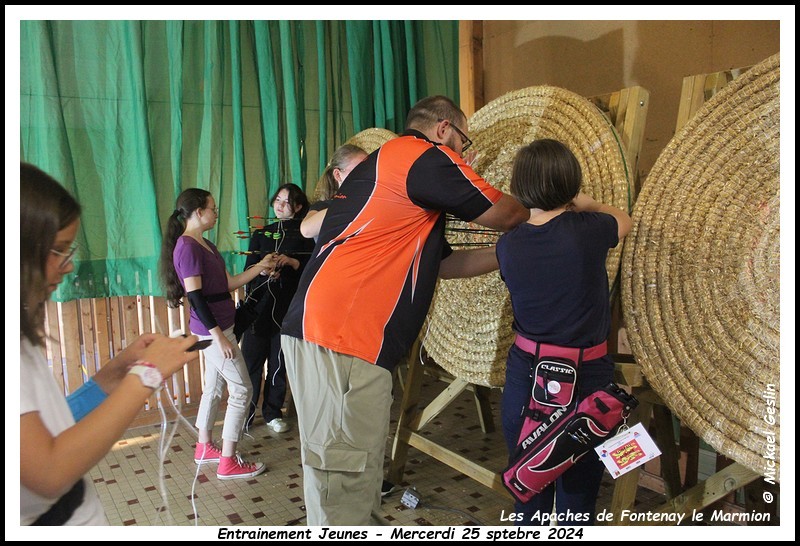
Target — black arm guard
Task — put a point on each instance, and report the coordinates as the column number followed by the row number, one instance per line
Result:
column 198, row 302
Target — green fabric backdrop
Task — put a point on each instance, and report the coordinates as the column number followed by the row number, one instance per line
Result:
column 127, row 114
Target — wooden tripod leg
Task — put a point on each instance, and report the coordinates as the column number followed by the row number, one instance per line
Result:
column 665, row 436
column 484, row 407
column 408, row 412
column 624, row 495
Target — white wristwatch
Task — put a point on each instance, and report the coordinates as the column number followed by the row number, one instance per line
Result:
column 148, row 374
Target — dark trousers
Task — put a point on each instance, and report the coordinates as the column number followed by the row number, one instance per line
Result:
column 575, row 491
column 256, row 350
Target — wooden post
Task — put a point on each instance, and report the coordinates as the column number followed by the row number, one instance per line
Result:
column 627, row 111
column 71, row 345
column 484, row 406
column 53, row 343
column 690, row 444
column 470, row 66
column 665, row 436
column 624, row 495
column 408, row 413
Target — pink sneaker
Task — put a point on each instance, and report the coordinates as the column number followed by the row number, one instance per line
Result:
column 207, row 453
column 234, row 467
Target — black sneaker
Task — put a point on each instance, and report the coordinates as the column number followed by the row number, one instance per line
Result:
column 387, row 488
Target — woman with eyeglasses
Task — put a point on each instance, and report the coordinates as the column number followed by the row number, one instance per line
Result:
column 55, row 450
column 266, row 301
column 192, row 267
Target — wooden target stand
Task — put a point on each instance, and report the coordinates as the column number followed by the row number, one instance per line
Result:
column 730, row 476
column 627, row 111
column 689, row 495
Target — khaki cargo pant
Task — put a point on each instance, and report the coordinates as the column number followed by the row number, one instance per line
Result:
column 343, row 406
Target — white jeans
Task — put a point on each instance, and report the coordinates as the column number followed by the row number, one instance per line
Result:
column 219, row 372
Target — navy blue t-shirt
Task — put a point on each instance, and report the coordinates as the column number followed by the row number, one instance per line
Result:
column 556, row 275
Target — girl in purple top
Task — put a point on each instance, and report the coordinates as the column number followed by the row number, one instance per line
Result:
column 192, row 266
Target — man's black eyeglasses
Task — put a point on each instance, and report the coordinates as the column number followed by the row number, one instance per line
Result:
column 465, row 140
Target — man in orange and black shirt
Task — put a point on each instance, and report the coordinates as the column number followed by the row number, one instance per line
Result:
column 364, row 295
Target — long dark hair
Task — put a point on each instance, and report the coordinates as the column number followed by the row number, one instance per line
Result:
column 546, row 175
column 45, row 209
column 188, row 201
column 296, row 197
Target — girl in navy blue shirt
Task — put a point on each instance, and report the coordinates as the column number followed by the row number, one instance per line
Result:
column 554, row 267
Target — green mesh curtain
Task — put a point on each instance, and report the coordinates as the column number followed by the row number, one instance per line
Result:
column 127, row 114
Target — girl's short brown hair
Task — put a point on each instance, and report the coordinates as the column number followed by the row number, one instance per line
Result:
column 546, row 175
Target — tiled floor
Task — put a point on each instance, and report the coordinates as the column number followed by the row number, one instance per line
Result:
column 128, row 479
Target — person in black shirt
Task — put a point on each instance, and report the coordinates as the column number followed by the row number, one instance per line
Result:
column 268, row 297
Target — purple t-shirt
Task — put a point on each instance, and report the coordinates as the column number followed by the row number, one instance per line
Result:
column 192, row 259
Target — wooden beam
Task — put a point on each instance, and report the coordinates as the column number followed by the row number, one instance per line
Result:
column 710, row 490
column 634, row 113
column 628, row 374
column 691, row 99
column 480, row 394
column 478, row 473
column 627, row 111
column 690, row 443
column 439, row 403
column 470, row 66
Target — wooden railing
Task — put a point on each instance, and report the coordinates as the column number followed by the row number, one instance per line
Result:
column 83, row 335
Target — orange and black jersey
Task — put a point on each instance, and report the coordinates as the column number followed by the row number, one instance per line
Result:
column 370, row 281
